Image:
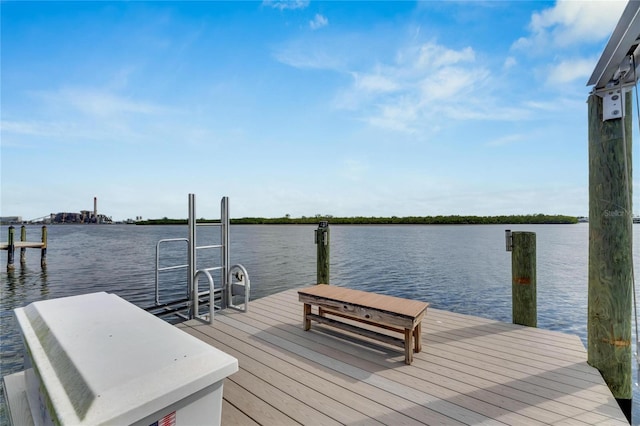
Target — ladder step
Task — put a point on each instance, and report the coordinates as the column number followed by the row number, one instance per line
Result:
column 168, row 268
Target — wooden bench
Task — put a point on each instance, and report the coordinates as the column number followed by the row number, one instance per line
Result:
column 387, row 312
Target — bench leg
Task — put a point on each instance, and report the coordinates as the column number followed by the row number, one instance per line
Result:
column 408, row 346
column 305, row 319
column 417, row 337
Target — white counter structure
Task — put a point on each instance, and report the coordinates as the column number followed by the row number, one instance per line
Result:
column 97, row 359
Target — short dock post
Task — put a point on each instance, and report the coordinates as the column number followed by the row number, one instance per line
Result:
column 43, row 251
column 23, row 250
column 523, row 277
column 11, row 248
column 322, row 241
column 610, row 248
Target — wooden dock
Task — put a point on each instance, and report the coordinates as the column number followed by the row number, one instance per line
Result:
column 471, row 371
column 23, row 244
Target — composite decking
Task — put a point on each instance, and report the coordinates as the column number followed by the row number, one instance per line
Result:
column 471, row 371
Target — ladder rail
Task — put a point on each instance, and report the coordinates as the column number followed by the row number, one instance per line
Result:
column 213, row 246
column 224, row 239
column 234, row 280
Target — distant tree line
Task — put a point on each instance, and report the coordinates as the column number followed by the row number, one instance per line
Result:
column 393, row 220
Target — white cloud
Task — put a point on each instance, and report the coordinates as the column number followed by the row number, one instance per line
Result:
column 374, row 83
column 419, row 86
column 425, row 84
column 78, row 114
column 318, row 22
column 505, row 140
column 510, row 62
column 571, row 22
column 433, row 56
column 100, row 103
column 398, row 115
column 286, row 4
column 300, row 55
column 448, row 82
column 569, row 70
column 58, row 130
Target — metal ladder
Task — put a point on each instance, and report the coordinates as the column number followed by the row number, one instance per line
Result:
column 234, row 279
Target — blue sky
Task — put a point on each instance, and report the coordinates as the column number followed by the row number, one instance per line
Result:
column 299, row 107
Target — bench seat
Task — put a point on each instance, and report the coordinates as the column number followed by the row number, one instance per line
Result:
column 388, row 312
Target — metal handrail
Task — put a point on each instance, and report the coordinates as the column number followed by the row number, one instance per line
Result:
column 240, row 273
column 195, row 291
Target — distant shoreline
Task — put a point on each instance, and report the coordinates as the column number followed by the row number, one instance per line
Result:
column 534, row 219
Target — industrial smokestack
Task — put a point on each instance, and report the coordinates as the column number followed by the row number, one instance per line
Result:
column 95, row 207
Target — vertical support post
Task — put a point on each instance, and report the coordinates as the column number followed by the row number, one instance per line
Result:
column 610, row 249
column 11, row 248
column 43, row 251
column 23, row 250
column 523, row 278
column 322, row 241
column 191, row 258
column 227, row 296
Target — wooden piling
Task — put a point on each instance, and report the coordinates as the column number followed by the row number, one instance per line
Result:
column 23, row 250
column 43, row 250
column 322, row 241
column 610, row 248
column 11, row 248
column 523, row 278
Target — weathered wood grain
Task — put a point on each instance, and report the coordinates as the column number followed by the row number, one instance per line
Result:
column 610, row 250
column 523, row 279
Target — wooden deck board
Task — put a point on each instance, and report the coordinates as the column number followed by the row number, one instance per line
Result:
column 547, row 376
column 454, row 387
column 471, row 370
column 22, row 244
column 233, row 416
column 560, row 383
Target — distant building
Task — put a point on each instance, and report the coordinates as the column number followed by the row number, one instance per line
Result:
column 10, row 220
column 85, row 216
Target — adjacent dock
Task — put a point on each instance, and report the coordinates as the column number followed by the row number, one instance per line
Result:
column 23, row 245
column 471, row 371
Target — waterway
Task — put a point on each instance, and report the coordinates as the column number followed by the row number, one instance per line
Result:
column 459, row 268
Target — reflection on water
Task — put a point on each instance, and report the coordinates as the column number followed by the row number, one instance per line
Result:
column 463, row 269
column 18, row 279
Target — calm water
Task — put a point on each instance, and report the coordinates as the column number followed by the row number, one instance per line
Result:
column 463, row 269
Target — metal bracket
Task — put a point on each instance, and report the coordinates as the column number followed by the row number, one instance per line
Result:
column 321, row 232
column 612, row 105
column 508, row 239
column 321, row 236
column 613, row 102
